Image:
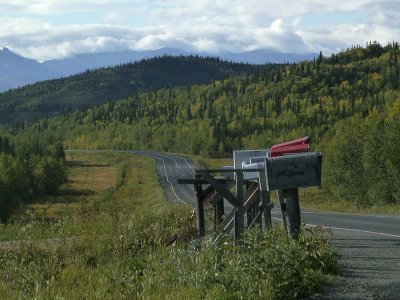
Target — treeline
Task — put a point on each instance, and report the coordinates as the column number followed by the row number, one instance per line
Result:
column 95, row 87
column 353, row 93
column 363, row 158
column 30, row 165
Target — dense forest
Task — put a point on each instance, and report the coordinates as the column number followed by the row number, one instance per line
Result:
column 30, row 165
column 349, row 105
column 94, row 87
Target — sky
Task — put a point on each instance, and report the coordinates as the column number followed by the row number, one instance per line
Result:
column 54, row 29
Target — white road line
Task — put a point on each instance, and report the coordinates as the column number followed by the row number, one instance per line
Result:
column 188, row 164
column 176, row 162
column 349, row 229
column 181, row 157
column 172, row 187
column 363, row 231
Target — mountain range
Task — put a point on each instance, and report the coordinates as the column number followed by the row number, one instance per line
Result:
column 17, row 71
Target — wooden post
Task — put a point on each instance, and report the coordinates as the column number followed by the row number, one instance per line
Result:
column 219, row 211
column 250, row 210
column 239, row 210
column 250, row 215
column 266, row 206
column 255, row 210
column 200, row 210
column 291, row 197
column 283, row 211
column 265, row 200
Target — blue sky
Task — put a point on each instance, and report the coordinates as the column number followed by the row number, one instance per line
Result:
column 55, row 29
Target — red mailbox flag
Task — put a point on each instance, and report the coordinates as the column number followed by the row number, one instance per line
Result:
column 295, row 146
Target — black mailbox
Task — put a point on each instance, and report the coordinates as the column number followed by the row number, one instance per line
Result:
column 293, row 171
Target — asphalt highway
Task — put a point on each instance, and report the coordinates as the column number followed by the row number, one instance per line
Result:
column 170, row 168
column 368, row 245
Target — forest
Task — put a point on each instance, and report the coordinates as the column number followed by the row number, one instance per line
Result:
column 95, row 87
column 348, row 104
column 30, row 165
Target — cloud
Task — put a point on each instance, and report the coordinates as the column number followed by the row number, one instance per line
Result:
column 58, row 7
column 386, row 13
column 41, row 29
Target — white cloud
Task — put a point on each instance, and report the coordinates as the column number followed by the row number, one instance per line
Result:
column 203, row 25
column 58, row 7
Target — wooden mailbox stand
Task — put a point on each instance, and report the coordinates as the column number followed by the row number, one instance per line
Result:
column 251, row 201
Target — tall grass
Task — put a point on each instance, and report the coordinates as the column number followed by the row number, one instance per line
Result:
column 130, row 243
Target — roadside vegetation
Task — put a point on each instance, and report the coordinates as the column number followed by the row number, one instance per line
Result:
column 31, row 165
column 117, row 237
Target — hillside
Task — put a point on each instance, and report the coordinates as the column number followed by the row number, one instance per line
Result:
column 348, row 104
column 53, row 97
column 252, row 111
column 17, row 71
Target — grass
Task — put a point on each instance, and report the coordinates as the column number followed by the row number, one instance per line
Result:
column 127, row 242
column 316, row 198
column 87, row 179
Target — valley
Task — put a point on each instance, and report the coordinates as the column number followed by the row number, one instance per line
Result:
column 70, row 171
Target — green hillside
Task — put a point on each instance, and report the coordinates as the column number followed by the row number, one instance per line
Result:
column 54, row 97
column 349, row 104
column 241, row 112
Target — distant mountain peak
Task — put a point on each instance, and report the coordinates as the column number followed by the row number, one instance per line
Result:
column 6, row 51
column 7, row 55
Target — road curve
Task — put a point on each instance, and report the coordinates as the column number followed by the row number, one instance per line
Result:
column 368, row 245
column 171, row 167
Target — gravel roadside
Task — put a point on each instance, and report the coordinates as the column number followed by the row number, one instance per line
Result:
column 369, row 266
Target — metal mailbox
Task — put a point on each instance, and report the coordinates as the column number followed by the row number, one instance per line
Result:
column 242, row 157
column 293, row 171
column 250, row 174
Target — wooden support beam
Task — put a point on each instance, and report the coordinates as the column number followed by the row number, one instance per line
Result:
column 200, row 210
column 219, row 188
column 283, row 211
column 229, row 170
column 202, row 181
column 218, row 197
column 265, row 200
column 239, row 209
column 256, row 219
column 228, row 223
column 252, row 194
column 291, row 197
column 266, row 208
column 219, row 211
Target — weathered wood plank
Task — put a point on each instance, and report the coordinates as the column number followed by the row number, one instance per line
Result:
column 219, row 188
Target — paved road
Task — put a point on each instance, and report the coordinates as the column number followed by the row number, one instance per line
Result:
column 170, row 168
column 368, row 245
